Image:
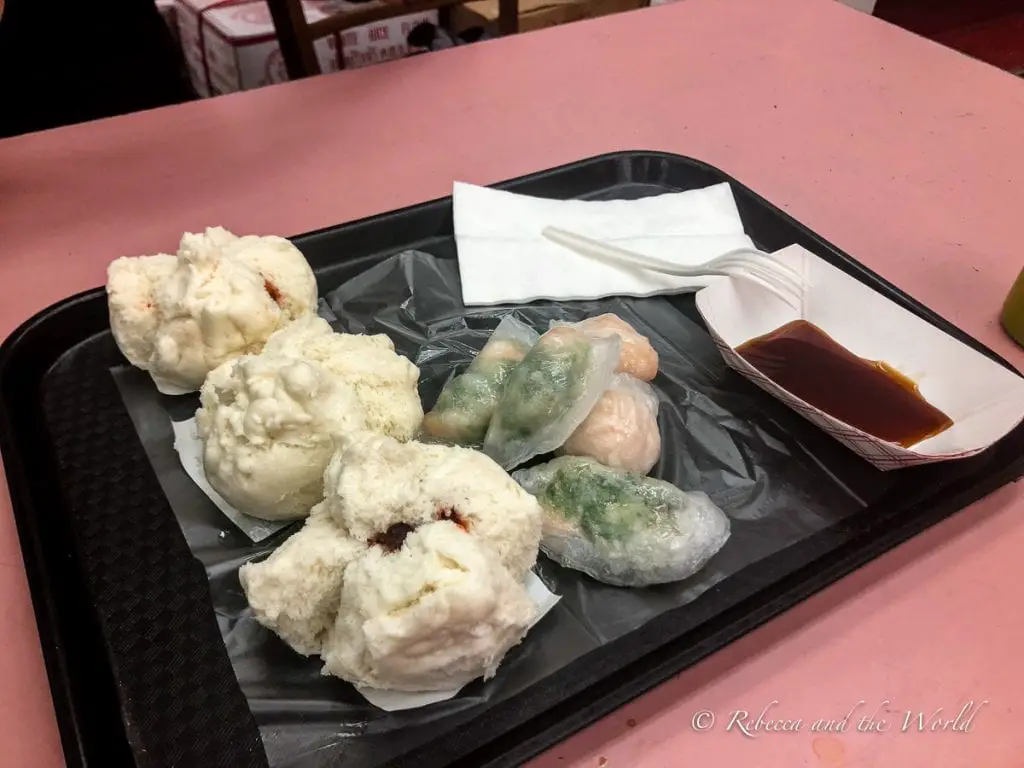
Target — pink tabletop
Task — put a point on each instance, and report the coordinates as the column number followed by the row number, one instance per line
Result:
column 903, row 153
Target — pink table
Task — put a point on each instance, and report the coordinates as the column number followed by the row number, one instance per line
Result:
column 905, row 154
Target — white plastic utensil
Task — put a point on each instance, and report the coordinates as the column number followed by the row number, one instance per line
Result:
column 747, row 263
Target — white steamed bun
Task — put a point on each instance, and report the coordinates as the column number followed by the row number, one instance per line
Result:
column 269, row 425
column 295, row 592
column 409, row 575
column 384, row 381
column 179, row 317
column 431, row 612
column 377, row 482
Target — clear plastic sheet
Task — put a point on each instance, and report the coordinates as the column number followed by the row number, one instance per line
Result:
column 777, row 477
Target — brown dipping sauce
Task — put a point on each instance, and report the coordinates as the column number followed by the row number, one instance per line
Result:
column 867, row 394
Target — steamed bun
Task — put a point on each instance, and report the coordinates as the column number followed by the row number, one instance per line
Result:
column 376, row 482
column 269, row 425
column 179, row 317
column 409, row 575
column 385, row 382
column 296, row 591
column 431, row 611
column 622, row 429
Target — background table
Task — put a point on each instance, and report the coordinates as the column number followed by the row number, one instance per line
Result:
column 905, row 154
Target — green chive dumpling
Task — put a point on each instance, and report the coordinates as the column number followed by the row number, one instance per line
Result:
column 549, row 394
column 623, row 528
column 467, row 401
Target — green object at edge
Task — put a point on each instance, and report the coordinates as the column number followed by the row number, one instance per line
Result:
column 1013, row 311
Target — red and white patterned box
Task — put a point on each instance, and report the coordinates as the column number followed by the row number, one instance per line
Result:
column 376, row 43
column 231, row 45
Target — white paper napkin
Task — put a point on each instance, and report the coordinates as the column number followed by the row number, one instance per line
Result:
column 503, row 258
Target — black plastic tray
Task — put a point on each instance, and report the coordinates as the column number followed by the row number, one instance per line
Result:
column 136, row 664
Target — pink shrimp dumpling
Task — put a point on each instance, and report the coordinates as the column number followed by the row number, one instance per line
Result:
column 637, row 357
column 622, row 429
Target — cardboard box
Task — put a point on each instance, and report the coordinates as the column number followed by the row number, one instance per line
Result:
column 376, row 43
column 231, row 45
column 169, row 13
column 537, row 14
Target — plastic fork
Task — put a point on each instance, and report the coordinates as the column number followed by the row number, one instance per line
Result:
column 748, row 263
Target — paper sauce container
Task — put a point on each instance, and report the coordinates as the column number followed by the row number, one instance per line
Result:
column 984, row 399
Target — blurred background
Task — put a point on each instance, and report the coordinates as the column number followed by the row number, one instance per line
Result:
column 66, row 61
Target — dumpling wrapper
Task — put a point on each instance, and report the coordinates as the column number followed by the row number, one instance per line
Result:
column 466, row 403
column 622, row 528
column 637, row 357
column 622, row 429
column 549, row 394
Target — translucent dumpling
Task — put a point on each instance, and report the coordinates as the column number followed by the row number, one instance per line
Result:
column 549, row 394
column 622, row 429
column 465, row 405
column 620, row 527
column 636, row 356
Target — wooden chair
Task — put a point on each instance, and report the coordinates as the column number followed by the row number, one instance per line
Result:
column 297, row 36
